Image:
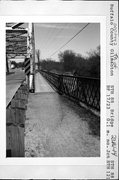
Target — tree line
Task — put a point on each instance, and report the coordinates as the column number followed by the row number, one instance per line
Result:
column 76, row 64
column 17, row 64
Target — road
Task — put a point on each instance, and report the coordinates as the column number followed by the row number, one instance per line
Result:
column 13, row 82
column 57, row 127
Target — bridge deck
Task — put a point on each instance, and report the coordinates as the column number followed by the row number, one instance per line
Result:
column 57, row 127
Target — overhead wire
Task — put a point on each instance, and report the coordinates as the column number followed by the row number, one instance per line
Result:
column 62, row 39
column 70, row 40
column 50, row 36
column 51, row 40
column 52, row 33
column 59, row 32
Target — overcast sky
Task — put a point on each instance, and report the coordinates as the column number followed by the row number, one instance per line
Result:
column 49, row 37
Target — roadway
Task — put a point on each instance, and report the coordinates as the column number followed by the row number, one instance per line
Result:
column 57, row 127
column 13, row 82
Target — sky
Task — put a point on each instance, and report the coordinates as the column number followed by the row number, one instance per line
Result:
column 49, row 37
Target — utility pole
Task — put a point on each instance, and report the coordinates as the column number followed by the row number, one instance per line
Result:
column 38, row 58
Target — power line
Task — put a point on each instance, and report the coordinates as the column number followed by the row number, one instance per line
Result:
column 55, row 43
column 58, row 34
column 50, row 35
column 70, row 39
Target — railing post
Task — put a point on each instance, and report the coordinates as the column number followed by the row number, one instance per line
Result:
column 77, row 87
column 83, row 91
column 60, row 88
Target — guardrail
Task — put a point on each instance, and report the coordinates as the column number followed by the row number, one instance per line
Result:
column 82, row 89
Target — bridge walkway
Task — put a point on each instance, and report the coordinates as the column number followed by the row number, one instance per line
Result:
column 57, row 127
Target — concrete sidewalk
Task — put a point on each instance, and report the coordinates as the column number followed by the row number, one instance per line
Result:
column 41, row 84
column 57, row 127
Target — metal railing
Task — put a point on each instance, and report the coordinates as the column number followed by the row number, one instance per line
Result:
column 82, row 89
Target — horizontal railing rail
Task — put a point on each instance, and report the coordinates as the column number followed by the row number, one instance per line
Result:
column 82, row 89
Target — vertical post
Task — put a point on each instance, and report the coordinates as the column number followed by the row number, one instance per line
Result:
column 28, row 55
column 33, row 58
column 38, row 58
column 27, row 80
column 7, row 66
column 60, row 80
column 33, row 48
column 31, row 55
